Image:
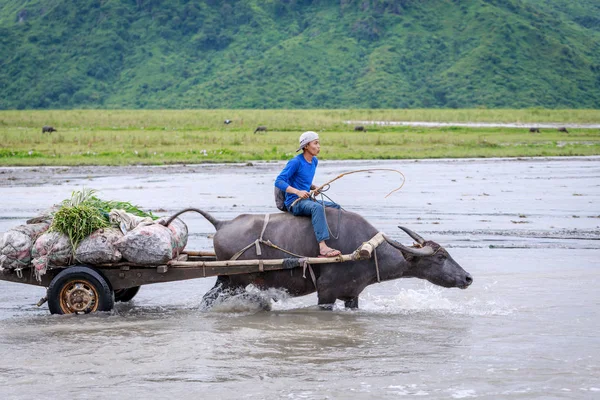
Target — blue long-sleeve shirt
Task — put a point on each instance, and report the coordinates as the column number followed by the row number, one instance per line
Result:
column 298, row 173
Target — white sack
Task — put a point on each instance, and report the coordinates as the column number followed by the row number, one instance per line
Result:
column 16, row 244
column 99, row 247
column 179, row 233
column 147, row 244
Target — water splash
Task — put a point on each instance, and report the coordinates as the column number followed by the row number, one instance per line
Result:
column 428, row 299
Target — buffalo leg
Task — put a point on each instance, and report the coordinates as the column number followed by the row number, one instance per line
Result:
column 224, row 290
column 352, row 303
column 213, row 294
column 326, row 302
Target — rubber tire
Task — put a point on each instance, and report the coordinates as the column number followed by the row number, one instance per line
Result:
column 106, row 300
column 126, row 294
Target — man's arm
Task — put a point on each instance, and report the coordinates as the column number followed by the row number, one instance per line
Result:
column 284, row 177
column 282, row 181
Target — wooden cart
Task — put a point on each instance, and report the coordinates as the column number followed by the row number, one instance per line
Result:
column 91, row 288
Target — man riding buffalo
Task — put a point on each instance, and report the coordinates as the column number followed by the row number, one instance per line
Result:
column 296, row 181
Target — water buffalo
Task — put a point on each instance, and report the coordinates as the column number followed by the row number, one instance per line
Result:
column 343, row 281
column 360, row 128
column 563, row 129
column 260, row 128
column 48, row 129
column 534, row 130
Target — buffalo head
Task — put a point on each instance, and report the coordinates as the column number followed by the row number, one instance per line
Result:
column 432, row 262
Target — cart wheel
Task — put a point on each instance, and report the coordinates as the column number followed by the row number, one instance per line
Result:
column 79, row 290
column 126, row 294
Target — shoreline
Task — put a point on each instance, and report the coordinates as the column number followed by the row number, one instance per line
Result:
column 428, row 124
column 29, row 176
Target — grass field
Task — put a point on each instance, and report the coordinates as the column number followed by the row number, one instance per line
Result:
column 104, row 137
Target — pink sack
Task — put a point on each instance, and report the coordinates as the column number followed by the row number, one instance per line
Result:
column 56, row 246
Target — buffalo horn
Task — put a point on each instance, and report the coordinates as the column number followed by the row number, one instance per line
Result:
column 413, row 235
column 422, row 252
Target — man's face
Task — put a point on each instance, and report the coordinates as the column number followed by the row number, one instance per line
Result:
column 313, row 147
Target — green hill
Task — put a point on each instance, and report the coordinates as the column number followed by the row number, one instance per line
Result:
column 299, row 54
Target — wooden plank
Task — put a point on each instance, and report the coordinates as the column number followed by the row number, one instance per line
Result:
column 122, row 265
column 200, row 253
column 266, row 263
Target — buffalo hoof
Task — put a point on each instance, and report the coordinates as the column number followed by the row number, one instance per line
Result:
column 326, row 307
column 352, row 304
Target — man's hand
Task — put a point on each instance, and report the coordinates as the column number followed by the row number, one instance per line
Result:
column 303, row 194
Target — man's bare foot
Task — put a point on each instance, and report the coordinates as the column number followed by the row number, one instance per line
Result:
column 328, row 252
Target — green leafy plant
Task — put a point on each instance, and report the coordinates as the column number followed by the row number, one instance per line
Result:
column 78, row 222
column 106, row 206
column 84, row 213
column 79, row 197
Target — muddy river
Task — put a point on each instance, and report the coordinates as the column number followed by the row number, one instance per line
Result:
column 528, row 230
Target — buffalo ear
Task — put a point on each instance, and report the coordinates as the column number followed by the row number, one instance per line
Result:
column 413, row 235
column 421, row 252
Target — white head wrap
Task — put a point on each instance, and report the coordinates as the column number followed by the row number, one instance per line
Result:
column 306, row 138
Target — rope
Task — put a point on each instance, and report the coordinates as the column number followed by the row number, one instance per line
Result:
column 306, row 265
column 325, row 213
column 318, row 189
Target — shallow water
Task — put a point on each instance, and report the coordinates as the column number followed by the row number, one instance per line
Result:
column 428, row 124
column 527, row 230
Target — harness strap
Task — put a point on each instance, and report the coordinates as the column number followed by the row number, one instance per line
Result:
column 306, row 265
column 376, row 264
column 264, row 226
column 239, row 253
column 270, row 244
column 260, row 239
column 256, row 243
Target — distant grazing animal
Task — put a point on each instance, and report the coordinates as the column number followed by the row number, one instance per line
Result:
column 48, row 129
column 360, row 128
column 534, row 130
column 261, row 128
column 227, row 121
column 563, row 129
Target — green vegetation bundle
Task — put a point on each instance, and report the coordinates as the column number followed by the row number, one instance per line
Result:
column 78, row 222
column 85, row 213
column 106, row 206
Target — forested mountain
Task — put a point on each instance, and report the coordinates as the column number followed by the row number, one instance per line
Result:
column 299, row 53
